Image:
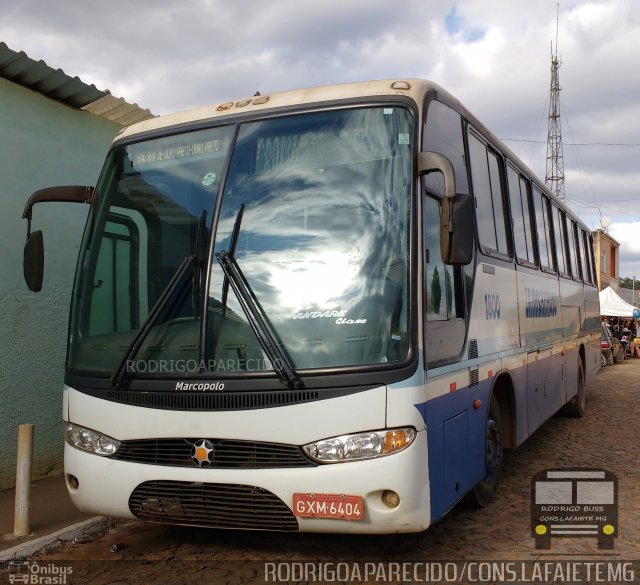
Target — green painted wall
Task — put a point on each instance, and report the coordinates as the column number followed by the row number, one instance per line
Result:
column 42, row 143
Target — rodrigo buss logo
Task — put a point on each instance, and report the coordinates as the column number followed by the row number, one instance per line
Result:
column 35, row 573
column 572, row 502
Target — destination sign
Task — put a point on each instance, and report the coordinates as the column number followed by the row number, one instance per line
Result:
column 145, row 155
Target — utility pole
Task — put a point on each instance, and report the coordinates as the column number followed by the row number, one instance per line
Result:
column 554, row 178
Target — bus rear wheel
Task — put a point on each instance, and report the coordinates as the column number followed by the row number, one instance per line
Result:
column 576, row 407
column 484, row 491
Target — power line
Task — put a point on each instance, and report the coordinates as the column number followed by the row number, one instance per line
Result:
column 632, row 144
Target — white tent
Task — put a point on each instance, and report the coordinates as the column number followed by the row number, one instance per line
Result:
column 612, row 305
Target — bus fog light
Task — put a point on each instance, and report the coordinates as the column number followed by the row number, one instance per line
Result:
column 360, row 445
column 91, row 441
column 390, row 499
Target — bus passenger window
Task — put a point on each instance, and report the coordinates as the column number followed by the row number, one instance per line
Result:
column 497, row 196
column 560, row 238
column 488, row 191
column 586, row 261
column 520, row 195
column 543, row 229
column 574, row 250
column 592, row 261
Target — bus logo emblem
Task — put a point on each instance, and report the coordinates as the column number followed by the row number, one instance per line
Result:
column 575, row 503
column 202, row 453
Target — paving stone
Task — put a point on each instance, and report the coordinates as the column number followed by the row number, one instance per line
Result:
column 607, row 437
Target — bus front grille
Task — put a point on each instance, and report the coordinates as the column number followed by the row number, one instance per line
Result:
column 225, row 454
column 213, row 401
column 211, row 505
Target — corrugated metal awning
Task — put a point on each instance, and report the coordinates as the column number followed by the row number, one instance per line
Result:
column 118, row 110
column 72, row 91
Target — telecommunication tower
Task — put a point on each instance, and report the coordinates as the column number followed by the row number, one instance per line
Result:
column 554, row 178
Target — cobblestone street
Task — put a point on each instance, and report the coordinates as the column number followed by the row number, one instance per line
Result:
column 606, row 438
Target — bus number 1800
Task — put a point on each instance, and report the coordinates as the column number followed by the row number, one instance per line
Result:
column 492, row 306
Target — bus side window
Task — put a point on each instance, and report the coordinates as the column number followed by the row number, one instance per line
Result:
column 443, row 134
column 574, row 249
column 543, row 229
column 443, row 285
column 520, row 198
column 586, row 261
column 445, row 325
column 116, row 264
column 440, row 281
column 560, row 238
column 592, row 262
column 489, row 193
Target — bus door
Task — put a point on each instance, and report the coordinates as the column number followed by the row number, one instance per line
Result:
column 543, row 379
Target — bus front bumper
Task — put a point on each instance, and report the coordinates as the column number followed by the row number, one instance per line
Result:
column 165, row 494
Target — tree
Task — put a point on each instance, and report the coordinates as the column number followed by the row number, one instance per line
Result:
column 627, row 282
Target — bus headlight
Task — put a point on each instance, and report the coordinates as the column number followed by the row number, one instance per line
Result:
column 360, row 446
column 91, row 441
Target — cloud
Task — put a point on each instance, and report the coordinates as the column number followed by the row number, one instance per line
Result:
column 494, row 56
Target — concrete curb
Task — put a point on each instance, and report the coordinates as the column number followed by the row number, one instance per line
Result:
column 89, row 527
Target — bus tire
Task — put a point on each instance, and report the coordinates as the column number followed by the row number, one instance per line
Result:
column 576, row 407
column 485, row 490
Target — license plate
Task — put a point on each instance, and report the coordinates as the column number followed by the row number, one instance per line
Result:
column 336, row 506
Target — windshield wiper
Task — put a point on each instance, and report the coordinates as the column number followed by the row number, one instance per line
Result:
column 258, row 319
column 196, row 294
column 121, row 371
column 233, row 243
column 196, row 261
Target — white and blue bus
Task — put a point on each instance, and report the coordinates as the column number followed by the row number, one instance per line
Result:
column 322, row 310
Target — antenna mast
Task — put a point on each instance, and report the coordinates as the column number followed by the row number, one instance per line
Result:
column 554, row 178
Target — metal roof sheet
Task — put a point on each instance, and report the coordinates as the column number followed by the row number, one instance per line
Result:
column 72, row 91
column 118, row 110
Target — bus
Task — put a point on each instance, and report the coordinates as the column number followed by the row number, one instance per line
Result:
column 322, row 310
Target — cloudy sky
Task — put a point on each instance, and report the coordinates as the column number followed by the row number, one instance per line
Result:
column 494, row 55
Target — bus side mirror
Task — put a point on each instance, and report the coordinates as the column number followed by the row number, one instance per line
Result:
column 33, row 266
column 456, row 211
column 33, row 260
column 458, row 248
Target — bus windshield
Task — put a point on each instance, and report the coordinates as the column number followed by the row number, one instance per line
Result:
column 313, row 209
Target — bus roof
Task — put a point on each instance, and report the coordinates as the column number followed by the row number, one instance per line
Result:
column 413, row 88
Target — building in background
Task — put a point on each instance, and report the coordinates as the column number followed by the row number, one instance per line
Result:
column 607, row 256
column 54, row 130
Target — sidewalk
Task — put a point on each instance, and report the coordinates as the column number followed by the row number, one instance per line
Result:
column 52, row 518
